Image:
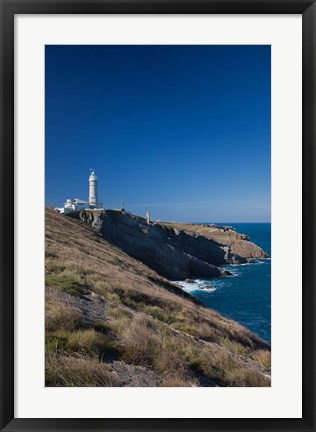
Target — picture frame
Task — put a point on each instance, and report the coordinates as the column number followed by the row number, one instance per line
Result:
column 9, row 9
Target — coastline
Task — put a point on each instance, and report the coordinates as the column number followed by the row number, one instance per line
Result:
column 249, row 280
column 211, row 254
column 113, row 321
column 245, row 296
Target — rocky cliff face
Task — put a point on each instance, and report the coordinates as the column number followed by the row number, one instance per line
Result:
column 233, row 242
column 173, row 253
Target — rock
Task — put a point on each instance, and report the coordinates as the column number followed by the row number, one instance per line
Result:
column 189, row 281
column 226, row 273
column 253, row 261
column 134, row 376
column 174, row 254
column 91, row 309
column 233, row 259
column 206, row 287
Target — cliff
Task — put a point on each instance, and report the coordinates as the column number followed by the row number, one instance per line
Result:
column 110, row 320
column 237, row 244
column 175, row 251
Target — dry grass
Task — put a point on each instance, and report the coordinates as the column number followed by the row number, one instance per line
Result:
column 66, row 283
column 88, row 342
column 251, row 378
column 224, row 368
column 59, row 315
column 177, row 358
column 263, row 357
column 235, row 347
column 141, row 341
column 148, row 343
column 77, row 371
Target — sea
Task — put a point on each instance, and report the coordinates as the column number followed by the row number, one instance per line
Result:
column 246, row 296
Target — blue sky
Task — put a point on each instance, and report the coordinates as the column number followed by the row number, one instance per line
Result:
column 182, row 131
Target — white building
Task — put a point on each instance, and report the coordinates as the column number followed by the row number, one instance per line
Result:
column 79, row 204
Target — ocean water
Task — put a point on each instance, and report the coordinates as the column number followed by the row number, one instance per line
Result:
column 245, row 296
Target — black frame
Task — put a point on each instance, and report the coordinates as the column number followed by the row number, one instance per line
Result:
column 8, row 8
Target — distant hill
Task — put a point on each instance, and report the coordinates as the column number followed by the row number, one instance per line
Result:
column 113, row 321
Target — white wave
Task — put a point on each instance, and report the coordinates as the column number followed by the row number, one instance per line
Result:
column 188, row 287
column 198, row 284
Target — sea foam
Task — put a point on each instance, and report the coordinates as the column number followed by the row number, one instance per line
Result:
column 198, row 284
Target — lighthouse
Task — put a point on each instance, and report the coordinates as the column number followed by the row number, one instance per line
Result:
column 79, row 204
column 93, row 192
column 93, row 189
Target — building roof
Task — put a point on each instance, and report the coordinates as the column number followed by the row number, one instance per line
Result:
column 80, row 201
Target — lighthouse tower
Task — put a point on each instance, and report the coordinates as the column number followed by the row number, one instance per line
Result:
column 93, row 191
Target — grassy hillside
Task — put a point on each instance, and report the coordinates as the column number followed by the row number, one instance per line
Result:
column 112, row 321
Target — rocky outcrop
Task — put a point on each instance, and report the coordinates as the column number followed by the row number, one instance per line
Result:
column 174, row 254
column 233, row 242
column 127, row 375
